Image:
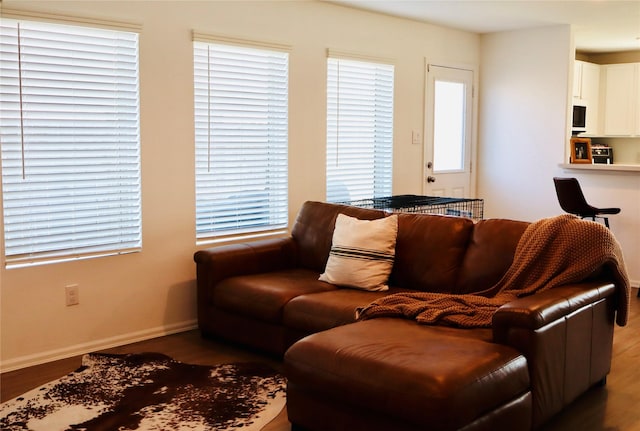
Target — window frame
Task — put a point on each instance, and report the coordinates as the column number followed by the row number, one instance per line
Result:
column 58, row 126
column 364, row 86
column 270, row 139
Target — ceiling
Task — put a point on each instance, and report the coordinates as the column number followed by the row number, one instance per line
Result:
column 599, row 25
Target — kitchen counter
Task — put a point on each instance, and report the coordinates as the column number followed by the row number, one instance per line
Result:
column 616, row 167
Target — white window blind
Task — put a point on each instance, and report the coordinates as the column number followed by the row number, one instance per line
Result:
column 69, row 132
column 241, row 132
column 359, row 129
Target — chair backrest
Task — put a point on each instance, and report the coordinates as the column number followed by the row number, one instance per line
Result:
column 571, row 198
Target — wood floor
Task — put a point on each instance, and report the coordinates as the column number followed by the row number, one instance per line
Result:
column 615, row 407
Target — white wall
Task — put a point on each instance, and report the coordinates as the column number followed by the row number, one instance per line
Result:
column 123, row 298
column 523, row 108
column 524, row 97
column 523, row 104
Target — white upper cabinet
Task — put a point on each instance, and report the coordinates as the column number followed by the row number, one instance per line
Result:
column 577, row 79
column 586, row 92
column 621, row 99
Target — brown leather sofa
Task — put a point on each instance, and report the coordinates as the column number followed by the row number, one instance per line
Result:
column 541, row 353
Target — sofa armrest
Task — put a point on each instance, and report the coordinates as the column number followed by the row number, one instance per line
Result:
column 217, row 263
column 566, row 334
column 535, row 311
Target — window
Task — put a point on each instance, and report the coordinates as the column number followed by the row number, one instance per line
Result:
column 70, row 141
column 359, row 129
column 241, row 134
column 449, row 126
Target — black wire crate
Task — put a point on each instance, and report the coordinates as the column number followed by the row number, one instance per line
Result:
column 460, row 207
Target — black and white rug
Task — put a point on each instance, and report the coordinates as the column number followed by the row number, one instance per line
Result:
column 150, row 391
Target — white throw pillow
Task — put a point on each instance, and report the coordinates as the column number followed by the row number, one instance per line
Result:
column 362, row 253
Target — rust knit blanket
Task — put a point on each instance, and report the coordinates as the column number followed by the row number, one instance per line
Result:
column 552, row 252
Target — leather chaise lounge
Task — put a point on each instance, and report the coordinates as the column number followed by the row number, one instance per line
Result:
column 537, row 355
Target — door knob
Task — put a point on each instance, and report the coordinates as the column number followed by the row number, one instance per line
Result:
column 431, row 179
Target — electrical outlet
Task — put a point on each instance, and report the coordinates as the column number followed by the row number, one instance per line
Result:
column 72, row 294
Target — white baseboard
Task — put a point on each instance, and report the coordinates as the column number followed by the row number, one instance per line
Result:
column 105, row 343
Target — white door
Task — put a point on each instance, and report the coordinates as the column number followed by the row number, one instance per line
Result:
column 448, row 132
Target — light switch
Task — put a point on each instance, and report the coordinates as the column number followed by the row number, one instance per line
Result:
column 416, row 139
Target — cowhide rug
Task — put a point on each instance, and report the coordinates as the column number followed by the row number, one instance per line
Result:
column 149, row 391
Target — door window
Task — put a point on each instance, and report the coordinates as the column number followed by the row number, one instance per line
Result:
column 448, row 133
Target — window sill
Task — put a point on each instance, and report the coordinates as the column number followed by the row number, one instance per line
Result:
column 237, row 238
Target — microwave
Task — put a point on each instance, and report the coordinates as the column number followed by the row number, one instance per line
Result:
column 579, row 123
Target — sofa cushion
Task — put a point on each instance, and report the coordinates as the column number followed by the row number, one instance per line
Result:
column 362, row 253
column 438, row 378
column 263, row 296
column 325, row 310
column 429, row 251
column 313, row 230
column 489, row 254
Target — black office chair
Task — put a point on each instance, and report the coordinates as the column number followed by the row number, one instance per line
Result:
column 572, row 200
